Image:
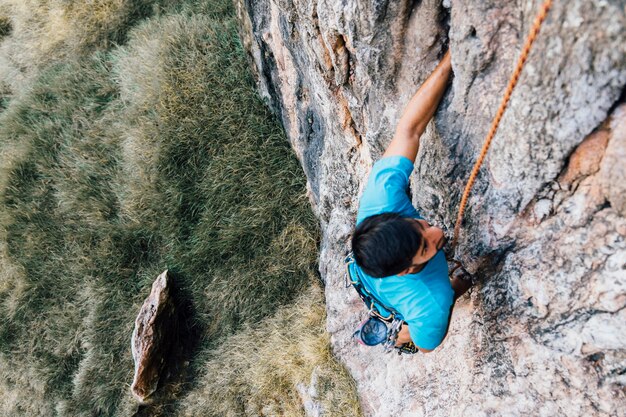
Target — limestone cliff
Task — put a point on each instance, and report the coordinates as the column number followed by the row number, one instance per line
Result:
column 544, row 332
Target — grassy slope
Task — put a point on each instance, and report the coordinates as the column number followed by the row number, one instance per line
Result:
column 119, row 162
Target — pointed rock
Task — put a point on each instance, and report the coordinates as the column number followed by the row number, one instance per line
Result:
column 151, row 341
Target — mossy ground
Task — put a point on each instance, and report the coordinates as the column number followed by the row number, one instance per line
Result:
column 132, row 141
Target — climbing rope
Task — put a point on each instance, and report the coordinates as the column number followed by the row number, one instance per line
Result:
column 496, row 121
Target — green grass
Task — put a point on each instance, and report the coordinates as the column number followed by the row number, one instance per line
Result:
column 259, row 371
column 134, row 141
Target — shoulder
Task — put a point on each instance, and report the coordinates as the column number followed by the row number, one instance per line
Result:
column 390, row 165
column 386, row 189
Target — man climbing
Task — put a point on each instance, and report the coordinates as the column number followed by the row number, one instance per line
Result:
column 398, row 254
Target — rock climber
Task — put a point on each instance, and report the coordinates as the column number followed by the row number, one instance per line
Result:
column 399, row 254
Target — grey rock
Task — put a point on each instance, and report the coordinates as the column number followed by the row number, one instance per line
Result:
column 613, row 172
column 545, row 230
column 152, row 338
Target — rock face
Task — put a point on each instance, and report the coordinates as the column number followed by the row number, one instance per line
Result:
column 152, row 338
column 543, row 333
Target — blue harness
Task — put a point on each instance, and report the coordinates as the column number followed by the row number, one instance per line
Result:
column 378, row 328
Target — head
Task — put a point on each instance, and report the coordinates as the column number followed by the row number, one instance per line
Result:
column 389, row 244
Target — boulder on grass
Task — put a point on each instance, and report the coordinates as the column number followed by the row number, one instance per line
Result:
column 152, row 337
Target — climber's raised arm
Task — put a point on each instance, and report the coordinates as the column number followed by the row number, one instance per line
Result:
column 419, row 111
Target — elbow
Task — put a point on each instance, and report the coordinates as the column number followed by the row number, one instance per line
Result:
column 422, row 350
column 409, row 131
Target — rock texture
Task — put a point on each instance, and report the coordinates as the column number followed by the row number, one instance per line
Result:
column 544, row 331
column 152, row 338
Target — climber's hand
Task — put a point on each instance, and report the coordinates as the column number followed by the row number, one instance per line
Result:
column 405, row 337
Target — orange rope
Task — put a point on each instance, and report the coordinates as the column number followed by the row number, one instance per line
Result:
column 496, row 121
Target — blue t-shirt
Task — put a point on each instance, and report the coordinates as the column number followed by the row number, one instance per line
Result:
column 423, row 299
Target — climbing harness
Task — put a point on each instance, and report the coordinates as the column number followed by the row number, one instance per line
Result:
column 378, row 328
column 543, row 11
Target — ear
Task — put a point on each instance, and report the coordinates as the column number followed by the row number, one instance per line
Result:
column 405, row 272
column 413, row 269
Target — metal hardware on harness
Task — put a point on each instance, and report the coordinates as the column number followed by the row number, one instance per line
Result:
column 393, row 321
column 346, row 277
column 408, row 348
column 368, row 298
column 392, row 334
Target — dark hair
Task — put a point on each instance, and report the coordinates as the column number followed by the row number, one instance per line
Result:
column 385, row 244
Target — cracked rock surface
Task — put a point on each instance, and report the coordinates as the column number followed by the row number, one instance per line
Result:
column 544, row 331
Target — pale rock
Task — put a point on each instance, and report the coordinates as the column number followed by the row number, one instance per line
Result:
column 542, row 209
column 542, row 334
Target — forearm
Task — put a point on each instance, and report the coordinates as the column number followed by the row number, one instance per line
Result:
column 403, row 335
column 423, row 105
